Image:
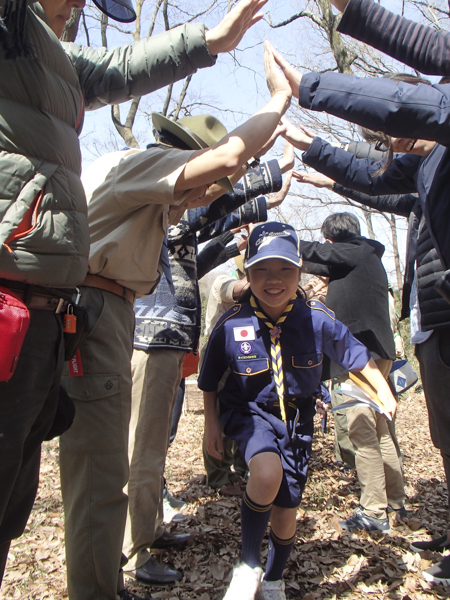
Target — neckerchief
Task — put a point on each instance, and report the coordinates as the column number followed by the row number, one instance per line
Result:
column 275, row 347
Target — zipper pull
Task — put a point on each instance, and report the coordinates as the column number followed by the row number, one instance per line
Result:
column 13, row 254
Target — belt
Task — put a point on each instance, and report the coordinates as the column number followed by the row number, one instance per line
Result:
column 103, row 283
column 36, row 300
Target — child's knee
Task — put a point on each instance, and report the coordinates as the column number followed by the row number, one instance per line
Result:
column 266, row 470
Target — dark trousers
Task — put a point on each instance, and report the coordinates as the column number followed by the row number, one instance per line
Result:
column 27, row 408
column 177, row 410
column 434, row 360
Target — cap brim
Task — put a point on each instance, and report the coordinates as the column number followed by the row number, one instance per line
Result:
column 119, row 10
column 256, row 259
column 162, row 123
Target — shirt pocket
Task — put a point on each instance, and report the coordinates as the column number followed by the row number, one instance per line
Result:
column 253, row 375
column 303, row 374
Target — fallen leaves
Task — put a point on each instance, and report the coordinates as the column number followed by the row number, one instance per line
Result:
column 326, row 563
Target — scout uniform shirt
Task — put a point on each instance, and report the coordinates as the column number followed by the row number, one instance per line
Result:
column 241, row 343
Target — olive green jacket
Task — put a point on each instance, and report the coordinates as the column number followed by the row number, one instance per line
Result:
column 44, row 236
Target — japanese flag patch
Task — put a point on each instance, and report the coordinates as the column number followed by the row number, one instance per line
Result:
column 244, row 334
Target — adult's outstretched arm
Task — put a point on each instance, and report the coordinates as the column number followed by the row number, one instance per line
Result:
column 418, row 46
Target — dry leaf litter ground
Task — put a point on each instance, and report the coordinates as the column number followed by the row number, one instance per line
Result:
column 326, row 562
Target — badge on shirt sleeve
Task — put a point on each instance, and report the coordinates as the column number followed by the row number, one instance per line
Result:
column 244, row 334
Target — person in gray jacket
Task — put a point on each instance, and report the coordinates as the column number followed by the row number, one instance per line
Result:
column 44, row 240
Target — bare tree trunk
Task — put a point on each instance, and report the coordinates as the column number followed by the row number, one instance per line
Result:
column 329, row 23
column 182, row 97
column 125, row 130
column 71, row 29
column 103, row 28
column 368, row 218
column 398, row 271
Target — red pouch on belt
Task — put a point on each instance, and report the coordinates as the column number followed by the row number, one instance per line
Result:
column 14, row 321
column 190, row 364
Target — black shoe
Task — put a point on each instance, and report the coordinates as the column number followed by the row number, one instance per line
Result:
column 153, row 572
column 168, row 540
column 440, row 572
column 438, row 545
column 401, row 512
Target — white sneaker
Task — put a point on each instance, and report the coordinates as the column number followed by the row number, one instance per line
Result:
column 272, row 590
column 245, row 582
column 171, row 514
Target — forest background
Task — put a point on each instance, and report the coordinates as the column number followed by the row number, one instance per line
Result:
column 304, row 31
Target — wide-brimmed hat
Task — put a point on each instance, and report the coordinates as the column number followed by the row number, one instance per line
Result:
column 201, row 131
column 273, row 240
column 239, row 260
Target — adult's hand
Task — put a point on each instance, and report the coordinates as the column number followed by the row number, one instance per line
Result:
column 276, row 81
column 287, row 162
column 278, row 199
column 340, row 4
column 292, row 75
column 229, row 32
column 296, row 136
column 315, row 179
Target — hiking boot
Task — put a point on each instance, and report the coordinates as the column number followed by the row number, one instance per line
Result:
column 360, row 521
column 272, row 590
column 244, row 583
column 440, row 572
column 438, row 545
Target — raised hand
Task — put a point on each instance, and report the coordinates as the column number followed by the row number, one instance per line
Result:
column 296, row 136
column 292, row 75
column 229, row 32
column 278, row 199
column 287, row 162
column 276, row 81
column 315, row 179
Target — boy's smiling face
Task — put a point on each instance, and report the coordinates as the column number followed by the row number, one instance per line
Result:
column 273, row 281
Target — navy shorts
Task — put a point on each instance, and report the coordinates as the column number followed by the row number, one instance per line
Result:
column 258, row 428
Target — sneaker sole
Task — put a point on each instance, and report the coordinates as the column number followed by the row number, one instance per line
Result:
column 433, row 579
column 355, row 530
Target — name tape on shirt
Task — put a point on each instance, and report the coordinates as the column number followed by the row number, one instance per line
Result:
column 244, row 334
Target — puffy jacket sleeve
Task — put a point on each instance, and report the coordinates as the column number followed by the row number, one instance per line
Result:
column 358, row 173
column 418, row 46
column 399, row 109
column 397, row 204
column 117, row 75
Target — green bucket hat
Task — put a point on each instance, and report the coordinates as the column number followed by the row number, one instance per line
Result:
column 202, row 131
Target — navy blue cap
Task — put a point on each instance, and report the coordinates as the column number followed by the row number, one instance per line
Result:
column 119, row 10
column 273, row 240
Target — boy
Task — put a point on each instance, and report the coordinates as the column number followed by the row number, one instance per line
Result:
column 273, row 346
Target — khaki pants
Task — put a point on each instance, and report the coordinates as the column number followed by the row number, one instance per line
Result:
column 94, row 451
column 156, row 378
column 377, row 463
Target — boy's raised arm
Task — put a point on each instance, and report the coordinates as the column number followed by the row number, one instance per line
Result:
column 379, row 383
